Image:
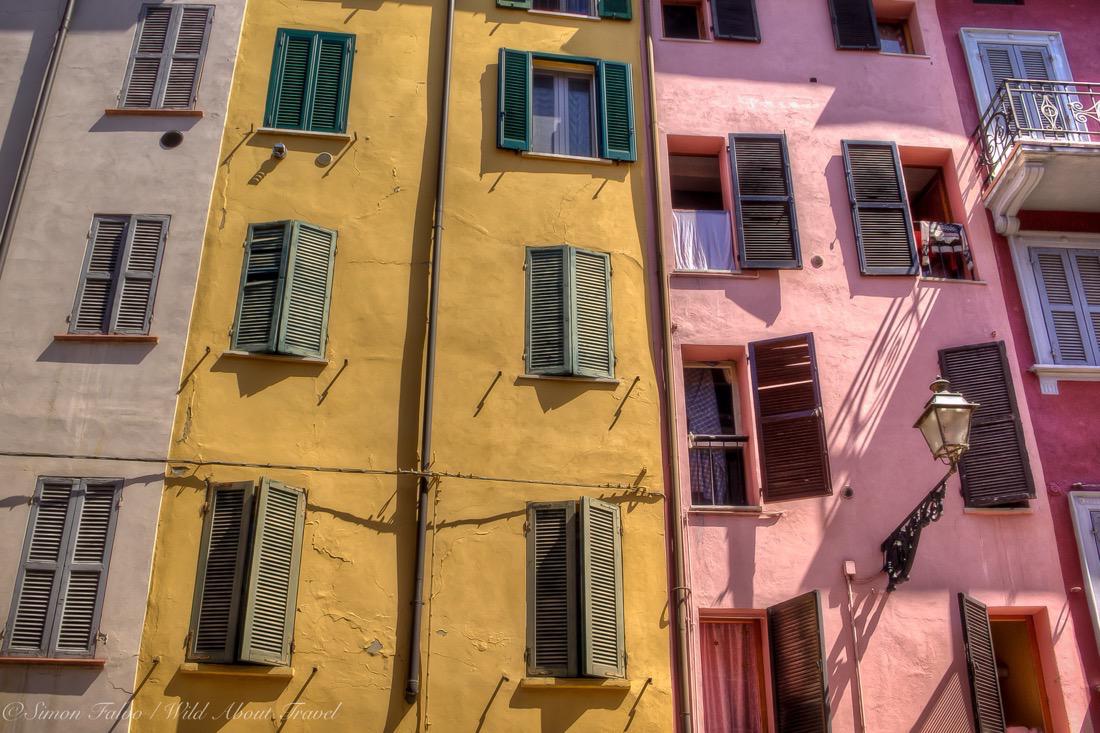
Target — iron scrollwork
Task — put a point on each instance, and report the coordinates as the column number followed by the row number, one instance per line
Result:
column 900, row 548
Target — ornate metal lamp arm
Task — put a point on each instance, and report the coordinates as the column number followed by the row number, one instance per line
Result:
column 900, row 548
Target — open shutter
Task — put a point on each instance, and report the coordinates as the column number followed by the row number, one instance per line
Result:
column 547, row 344
column 268, row 631
column 143, row 76
column 801, row 681
column 188, row 51
column 138, row 279
column 331, row 82
column 1066, row 321
column 981, row 664
column 303, row 327
column 552, row 589
column 95, row 295
column 522, row 4
column 286, row 94
column 604, row 650
column 767, row 225
column 616, row 111
column 735, row 20
column 34, row 603
column 1086, row 264
column 514, row 100
column 614, row 9
column 995, row 470
column 789, row 421
column 880, row 212
column 262, row 283
column 854, row 24
column 593, row 352
column 215, row 613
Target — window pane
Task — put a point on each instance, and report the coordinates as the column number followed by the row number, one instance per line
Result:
column 681, row 21
column 544, row 122
column 580, row 117
column 546, row 5
column 580, row 7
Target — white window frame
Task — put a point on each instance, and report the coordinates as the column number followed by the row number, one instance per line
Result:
column 1020, row 245
column 1081, row 504
column 561, row 77
column 971, row 37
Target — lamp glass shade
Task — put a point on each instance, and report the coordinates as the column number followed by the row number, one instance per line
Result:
column 945, row 425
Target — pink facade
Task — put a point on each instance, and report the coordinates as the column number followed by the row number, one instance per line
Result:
column 877, row 340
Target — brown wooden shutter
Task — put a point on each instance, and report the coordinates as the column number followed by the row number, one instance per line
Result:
column 880, row 211
column 996, row 469
column 552, row 589
column 981, row 664
column 790, row 425
column 735, row 20
column 604, row 652
column 800, row 679
column 854, row 24
column 767, row 224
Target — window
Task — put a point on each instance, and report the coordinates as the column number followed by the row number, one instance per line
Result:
column 604, row 8
column 703, row 233
column 247, row 581
column 894, row 36
column 941, row 243
column 767, row 224
column 716, row 443
column 683, row 20
column 1069, row 291
column 118, row 281
column 310, row 81
column 575, row 590
column 565, row 105
column 735, row 20
column 58, row 596
column 880, row 214
column 574, row 7
column 569, row 330
column 286, row 283
column 166, row 61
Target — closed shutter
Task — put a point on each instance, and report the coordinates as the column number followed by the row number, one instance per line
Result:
column 735, row 20
column 304, row 323
column 262, row 282
column 552, row 589
column 981, row 664
column 1003, row 61
column 268, row 631
column 547, row 343
column 604, row 651
column 617, row 111
column 789, row 420
column 854, row 24
column 1066, row 320
column 800, row 680
column 215, row 612
column 615, row 9
column 148, row 57
column 995, row 470
column 767, row 225
column 1087, row 265
column 187, row 53
column 514, row 100
column 310, row 81
column 880, row 212
column 593, row 349
column 94, row 299
column 332, row 78
column 286, row 104
column 523, row 4
column 138, row 280
column 166, row 62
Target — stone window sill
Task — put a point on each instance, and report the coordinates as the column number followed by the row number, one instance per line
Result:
column 55, row 661
column 341, row 136
column 148, row 112
column 750, row 510
column 716, row 273
column 573, row 683
column 1050, row 374
column 285, row 358
column 568, row 158
column 566, row 378
column 923, row 56
column 236, row 670
column 559, row 14
column 107, row 337
column 993, row 511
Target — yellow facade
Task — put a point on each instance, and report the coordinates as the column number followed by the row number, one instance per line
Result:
column 514, row 439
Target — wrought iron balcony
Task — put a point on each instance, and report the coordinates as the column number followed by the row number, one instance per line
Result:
column 1040, row 148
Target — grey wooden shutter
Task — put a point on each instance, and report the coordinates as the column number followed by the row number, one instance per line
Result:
column 514, row 100
column 148, row 57
column 592, row 338
column 137, row 281
column 767, row 225
column 735, row 20
column 166, row 60
column 995, row 470
column 215, row 613
column 790, row 425
column 260, row 301
column 616, row 110
column 546, row 350
column 1086, row 264
column 1067, row 320
column 981, row 664
column 552, row 618
column 604, row 650
column 192, row 29
column 270, row 601
column 95, row 294
column 880, row 211
column 303, row 325
column 854, row 24
column 800, row 680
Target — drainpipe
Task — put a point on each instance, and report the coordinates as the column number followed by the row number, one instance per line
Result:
column 31, row 143
column 412, row 685
column 680, row 607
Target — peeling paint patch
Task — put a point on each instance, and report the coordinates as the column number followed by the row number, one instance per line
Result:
column 374, row 648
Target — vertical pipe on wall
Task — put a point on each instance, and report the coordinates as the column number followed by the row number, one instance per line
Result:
column 412, row 684
column 40, row 104
column 857, row 678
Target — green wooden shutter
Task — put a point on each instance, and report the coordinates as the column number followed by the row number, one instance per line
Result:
column 995, row 470
column 880, row 211
column 615, row 9
column 331, row 82
column 552, row 589
column 215, row 613
column 735, row 20
column 591, row 336
column 767, row 224
column 790, row 426
column 188, row 50
column 96, row 293
column 303, row 325
column 137, row 280
column 268, row 631
column 603, row 651
column 263, row 278
column 523, row 4
column 514, row 100
column 800, row 680
column 854, row 24
column 143, row 77
column 616, row 111
column 289, row 84
column 547, row 350
column 981, row 664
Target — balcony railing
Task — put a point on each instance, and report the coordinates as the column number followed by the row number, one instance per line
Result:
column 717, row 469
column 1037, row 111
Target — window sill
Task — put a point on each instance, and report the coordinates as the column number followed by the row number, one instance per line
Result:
column 341, row 136
column 236, row 670
column 1050, row 374
column 994, row 511
column 573, row 683
column 559, row 14
column 716, row 273
column 233, row 354
column 150, row 112
column 686, row 40
column 754, row 510
column 924, row 56
column 55, row 661
column 122, row 338
column 951, row 280
column 569, row 158
column 565, row 378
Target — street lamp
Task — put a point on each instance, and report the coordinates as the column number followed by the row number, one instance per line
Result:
column 945, row 422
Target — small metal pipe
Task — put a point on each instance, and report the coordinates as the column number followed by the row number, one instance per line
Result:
column 857, row 683
column 40, row 104
column 412, row 684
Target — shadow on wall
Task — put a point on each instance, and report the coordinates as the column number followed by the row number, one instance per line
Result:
column 256, row 374
column 48, row 679
column 87, row 352
column 948, row 708
column 556, row 715
column 209, row 704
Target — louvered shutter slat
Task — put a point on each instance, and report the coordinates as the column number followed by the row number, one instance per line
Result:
column 854, row 24
column 139, row 278
column 546, row 310
column 767, row 231
column 328, row 86
column 735, row 20
column 800, row 688
column 552, row 589
column 593, row 351
column 148, row 58
column 1087, row 266
column 617, row 111
column 601, row 590
column 304, row 319
column 514, row 100
column 186, row 60
column 1062, row 306
column 290, row 90
column 981, row 662
column 880, row 212
column 93, row 306
column 262, row 283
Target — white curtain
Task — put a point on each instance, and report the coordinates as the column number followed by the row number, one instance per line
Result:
column 703, row 240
